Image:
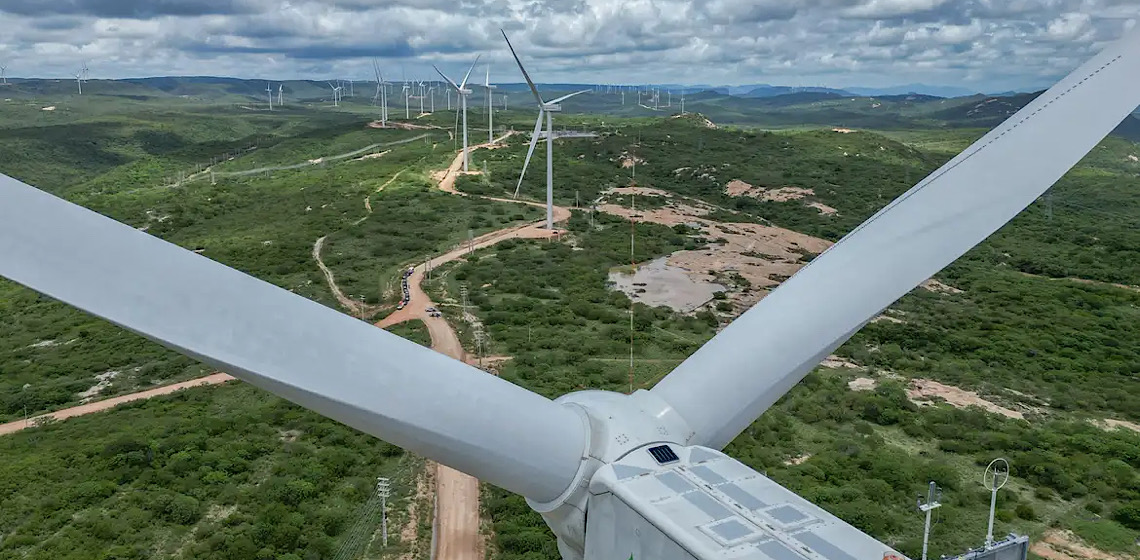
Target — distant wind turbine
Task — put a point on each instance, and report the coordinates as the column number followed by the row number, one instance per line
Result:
column 490, row 107
column 280, row 95
column 381, row 94
column 269, row 91
column 462, row 91
column 3, row 75
column 336, row 94
column 407, row 92
column 79, row 81
column 548, row 108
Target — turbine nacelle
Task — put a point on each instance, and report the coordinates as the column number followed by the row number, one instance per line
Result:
column 641, row 475
column 551, row 107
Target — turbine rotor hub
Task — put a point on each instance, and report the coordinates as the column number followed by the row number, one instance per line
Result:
column 616, row 424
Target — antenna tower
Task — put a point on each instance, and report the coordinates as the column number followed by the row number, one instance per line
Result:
column 933, row 502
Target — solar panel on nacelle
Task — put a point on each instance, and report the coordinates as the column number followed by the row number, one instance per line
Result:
column 707, row 505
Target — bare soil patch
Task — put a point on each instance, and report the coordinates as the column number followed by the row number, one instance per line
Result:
column 628, row 161
column 936, row 286
column 798, row 460
column 862, row 384
column 922, row 390
column 1064, row 545
column 836, row 362
column 763, row 255
column 736, row 187
column 1110, row 424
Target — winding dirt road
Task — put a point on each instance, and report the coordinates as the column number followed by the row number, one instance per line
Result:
column 13, row 427
column 457, row 494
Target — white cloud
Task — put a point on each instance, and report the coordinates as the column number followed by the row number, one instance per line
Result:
column 988, row 44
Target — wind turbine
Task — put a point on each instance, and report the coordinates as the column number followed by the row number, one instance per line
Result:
column 280, row 95
column 547, row 108
column 269, row 91
column 462, row 92
column 79, row 81
column 407, row 109
column 336, row 94
column 645, row 464
column 490, row 107
column 421, row 97
column 3, row 75
column 381, row 94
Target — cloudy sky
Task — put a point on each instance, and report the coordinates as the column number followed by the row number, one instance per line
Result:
column 988, row 45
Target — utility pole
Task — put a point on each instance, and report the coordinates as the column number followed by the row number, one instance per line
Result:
column 463, row 295
column 933, row 497
column 383, row 489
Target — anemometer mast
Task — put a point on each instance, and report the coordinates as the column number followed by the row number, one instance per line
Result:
column 995, row 477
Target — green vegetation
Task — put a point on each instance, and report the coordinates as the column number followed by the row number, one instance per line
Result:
column 408, row 224
column 415, row 331
column 224, row 472
column 233, row 472
column 565, row 328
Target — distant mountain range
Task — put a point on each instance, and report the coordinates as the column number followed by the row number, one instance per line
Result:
column 761, row 105
column 769, row 90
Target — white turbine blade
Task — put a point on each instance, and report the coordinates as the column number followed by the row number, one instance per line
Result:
column 453, row 84
column 310, row 354
column 565, row 97
column 729, row 382
column 529, row 82
column 466, row 76
column 530, row 150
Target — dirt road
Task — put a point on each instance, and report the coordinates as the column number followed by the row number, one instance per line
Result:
column 457, row 494
column 112, row 402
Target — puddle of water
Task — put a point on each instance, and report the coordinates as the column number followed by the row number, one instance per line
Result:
column 664, row 284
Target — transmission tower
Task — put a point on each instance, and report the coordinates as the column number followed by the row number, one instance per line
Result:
column 383, row 490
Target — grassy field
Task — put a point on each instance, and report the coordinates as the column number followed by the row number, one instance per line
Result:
column 1045, row 309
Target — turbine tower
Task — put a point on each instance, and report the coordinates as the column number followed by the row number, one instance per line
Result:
column 280, row 95
column 407, row 92
column 381, row 94
column 547, row 108
column 614, row 476
column 490, row 107
column 269, row 91
column 462, row 92
column 79, row 81
column 3, row 75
